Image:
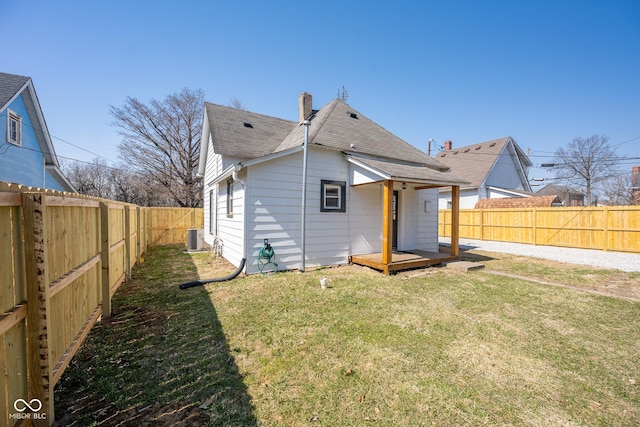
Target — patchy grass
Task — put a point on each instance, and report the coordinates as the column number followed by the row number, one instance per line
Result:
column 613, row 282
column 429, row 347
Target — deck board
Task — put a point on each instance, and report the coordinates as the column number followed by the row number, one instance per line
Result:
column 402, row 260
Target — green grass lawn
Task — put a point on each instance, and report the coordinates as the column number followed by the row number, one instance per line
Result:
column 427, row 347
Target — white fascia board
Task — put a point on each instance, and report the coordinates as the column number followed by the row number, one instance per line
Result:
column 225, row 174
column 204, row 148
column 507, row 191
column 271, row 156
column 365, row 166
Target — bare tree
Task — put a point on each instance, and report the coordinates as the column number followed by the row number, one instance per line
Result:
column 237, row 104
column 162, row 143
column 92, row 179
column 619, row 189
column 585, row 162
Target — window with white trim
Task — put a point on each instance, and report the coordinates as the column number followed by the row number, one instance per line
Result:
column 14, row 128
column 212, row 206
column 333, row 196
column 230, row 198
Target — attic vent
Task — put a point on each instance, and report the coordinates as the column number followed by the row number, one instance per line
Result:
column 456, row 152
column 467, row 150
column 248, row 125
column 478, row 147
column 492, row 144
column 352, row 115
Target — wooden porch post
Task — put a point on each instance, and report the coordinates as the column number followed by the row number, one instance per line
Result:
column 455, row 220
column 387, row 230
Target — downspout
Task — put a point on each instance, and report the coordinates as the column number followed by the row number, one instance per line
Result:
column 245, row 213
column 305, row 158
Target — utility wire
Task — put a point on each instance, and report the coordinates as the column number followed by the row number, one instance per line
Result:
column 40, row 131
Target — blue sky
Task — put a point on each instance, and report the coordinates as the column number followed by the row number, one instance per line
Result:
column 543, row 72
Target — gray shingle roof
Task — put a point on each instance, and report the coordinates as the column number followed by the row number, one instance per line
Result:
column 473, row 162
column 412, row 173
column 336, row 125
column 10, row 84
column 240, row 133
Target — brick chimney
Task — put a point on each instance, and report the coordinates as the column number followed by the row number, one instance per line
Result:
column 304, row 106
column 448, row 145
column 634, row 173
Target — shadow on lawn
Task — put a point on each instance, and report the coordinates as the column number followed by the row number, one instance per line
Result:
column 162, row 359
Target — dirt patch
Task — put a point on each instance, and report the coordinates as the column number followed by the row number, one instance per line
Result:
column 142, row 317
column 173, row 414
column 89, row 407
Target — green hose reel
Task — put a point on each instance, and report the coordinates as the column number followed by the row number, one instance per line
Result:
column 266, row 264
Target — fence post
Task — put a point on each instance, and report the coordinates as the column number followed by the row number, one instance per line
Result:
column 535, row 226
column 38, row 306
column 127, row 241
column 605, row 243
column 105, row 255
column 138, row 211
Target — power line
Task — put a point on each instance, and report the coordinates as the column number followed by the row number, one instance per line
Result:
column 66, row 142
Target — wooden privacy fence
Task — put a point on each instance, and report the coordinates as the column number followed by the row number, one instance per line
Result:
column 612, row 228
column 62, row 257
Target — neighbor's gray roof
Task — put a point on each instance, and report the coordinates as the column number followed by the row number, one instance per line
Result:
column 560, row 190
column 336, row 125
column 10, row 85
column 473, row 162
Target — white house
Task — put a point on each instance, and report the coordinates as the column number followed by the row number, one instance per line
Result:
column 367, row 191
column 494, row 169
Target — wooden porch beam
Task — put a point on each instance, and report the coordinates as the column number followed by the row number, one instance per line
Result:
column 455, row 220
column 387, row 221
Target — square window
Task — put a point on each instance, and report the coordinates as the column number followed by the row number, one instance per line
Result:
column 14, row 128
column 333, row 196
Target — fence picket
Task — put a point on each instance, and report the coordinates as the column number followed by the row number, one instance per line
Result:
column 53, row 286
column 611, row 228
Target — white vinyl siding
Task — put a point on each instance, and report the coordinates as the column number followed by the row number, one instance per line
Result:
column 506, row 172
column 231, row 228
column 365, row 219
column 427, row 224
column 275, row 210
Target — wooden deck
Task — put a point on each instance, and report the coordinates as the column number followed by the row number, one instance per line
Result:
column 402, row 260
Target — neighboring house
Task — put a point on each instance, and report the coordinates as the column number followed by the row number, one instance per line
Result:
column 568, row 195
column 519, row 202
column 367, row 191
column 26, row 151
column 494, row 169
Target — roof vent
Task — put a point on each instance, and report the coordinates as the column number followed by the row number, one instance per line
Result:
column 478, row 147
column 492, row 144
column 248, row 125
column 467, row 150
column 352, row 115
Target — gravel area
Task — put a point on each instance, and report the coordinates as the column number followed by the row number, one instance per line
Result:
column 613, row 260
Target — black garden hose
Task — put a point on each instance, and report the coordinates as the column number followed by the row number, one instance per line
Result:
column 231, row 276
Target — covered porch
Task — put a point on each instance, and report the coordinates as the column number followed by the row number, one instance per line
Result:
column 410, row 178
